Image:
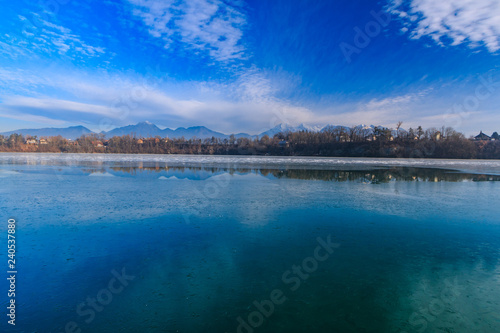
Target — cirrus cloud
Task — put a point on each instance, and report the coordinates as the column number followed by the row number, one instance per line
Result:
column 211, row 26
column 472, row 22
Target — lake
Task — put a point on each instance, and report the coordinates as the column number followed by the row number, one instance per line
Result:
column 173, row 243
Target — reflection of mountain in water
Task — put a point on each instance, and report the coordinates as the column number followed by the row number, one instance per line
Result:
column 375, row 176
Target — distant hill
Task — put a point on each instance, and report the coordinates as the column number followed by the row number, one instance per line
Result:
column 200, row 132
column 72, row 132
column 244, row 135
column 143, row 129
column 148, row 130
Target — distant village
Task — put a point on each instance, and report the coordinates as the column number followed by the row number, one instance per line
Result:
column 382, row 142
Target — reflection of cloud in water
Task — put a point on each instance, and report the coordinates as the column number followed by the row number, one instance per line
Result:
column 7, row 173
column 461, row 298
column 250, row 196
column 101, row 174
column 247, row 203
column 186, row 280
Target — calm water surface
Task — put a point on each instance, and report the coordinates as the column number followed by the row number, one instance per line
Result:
column 150, row 243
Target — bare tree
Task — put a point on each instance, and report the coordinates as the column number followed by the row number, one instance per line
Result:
column 356, row 133
column 398, row 126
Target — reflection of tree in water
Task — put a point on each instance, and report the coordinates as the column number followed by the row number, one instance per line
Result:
column 385, row 175
column 374, row 176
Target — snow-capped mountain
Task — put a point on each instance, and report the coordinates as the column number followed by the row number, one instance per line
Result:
column 334, row 127
column 368, row 129
column 283, row 128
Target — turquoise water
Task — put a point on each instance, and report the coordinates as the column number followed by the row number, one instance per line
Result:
column 203, row 244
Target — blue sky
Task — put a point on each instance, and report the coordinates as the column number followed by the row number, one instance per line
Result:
column 246, row 66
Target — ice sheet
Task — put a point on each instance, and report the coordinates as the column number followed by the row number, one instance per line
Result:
column 326, row 163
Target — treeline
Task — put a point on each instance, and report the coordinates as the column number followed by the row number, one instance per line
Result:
column 335, row 141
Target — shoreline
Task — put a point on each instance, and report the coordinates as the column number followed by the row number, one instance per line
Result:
column 253, row 155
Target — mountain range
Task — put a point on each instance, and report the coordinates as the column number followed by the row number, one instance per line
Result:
column 146, row 129
column 72, row 132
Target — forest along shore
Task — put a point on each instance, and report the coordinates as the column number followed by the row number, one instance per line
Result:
column 431, row 143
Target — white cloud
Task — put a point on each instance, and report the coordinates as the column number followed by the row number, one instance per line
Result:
column 473, row 22
column 212, row 26
column 8, row 113
column 54, row 104
column 247, row 104
column 386, row 111
column 65, row 41
column 46, row 38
